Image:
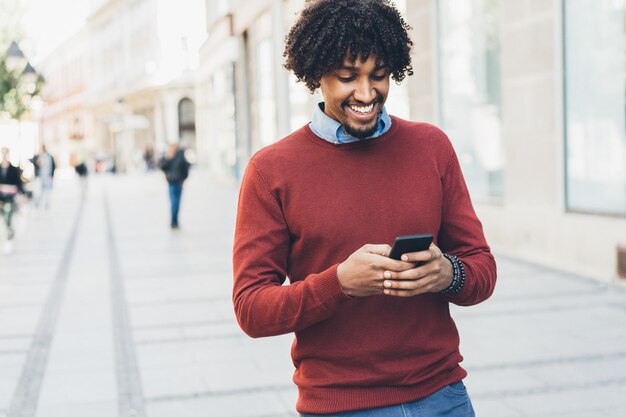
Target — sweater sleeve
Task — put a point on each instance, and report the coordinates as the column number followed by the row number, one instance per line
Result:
column 461, row 234
column 263, row 306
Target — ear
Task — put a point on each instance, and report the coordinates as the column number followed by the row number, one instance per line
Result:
column 321, row 88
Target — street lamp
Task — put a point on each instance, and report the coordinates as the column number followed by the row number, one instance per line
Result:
column 29, row 77
column 14, row 57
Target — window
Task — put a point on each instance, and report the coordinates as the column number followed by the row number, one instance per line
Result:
column 266, row 105
column 223, row 126
column 187, row 123
column 595, row 85
column 398, row 100
column 469, row 90
column 299, row 103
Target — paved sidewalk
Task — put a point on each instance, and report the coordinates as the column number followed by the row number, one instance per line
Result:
column 105, row 312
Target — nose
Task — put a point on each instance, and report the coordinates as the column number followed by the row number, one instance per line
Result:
column 364, row 91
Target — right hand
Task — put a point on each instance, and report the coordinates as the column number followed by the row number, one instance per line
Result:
column 361, row 275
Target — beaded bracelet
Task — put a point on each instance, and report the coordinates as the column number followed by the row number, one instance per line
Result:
column 458, row 277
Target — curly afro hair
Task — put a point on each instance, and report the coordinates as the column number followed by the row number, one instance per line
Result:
column 327, row 30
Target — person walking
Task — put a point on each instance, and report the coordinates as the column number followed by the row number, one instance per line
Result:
column 10, row 185
column 176, row 168
column 148, row 158
column 44, row 170
column 81, row 170
column 373, row 335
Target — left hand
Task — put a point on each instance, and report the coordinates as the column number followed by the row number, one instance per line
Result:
column 433, row 276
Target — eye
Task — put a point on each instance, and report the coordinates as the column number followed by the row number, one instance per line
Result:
column 379, row 76
column 346, row 79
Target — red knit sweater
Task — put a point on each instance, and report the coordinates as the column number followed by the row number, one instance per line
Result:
column 305, row 205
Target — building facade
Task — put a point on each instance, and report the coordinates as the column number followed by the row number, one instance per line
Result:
column 66, row 124
column 139, row 58
column 538, row 125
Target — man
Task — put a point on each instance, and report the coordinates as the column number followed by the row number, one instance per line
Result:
column 176, row 168
column 44, row 171
column 374, row 336
column 10, row 185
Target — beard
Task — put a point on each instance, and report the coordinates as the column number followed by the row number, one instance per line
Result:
column 362, row 132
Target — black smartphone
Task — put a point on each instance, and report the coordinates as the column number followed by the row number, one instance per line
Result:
column 412, row 243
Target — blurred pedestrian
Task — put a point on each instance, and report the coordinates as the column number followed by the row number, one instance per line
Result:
column 148, row 158
column 44, row 172
column 10, row 185
column 374, row 335
column 176, row 168
column 82, row 171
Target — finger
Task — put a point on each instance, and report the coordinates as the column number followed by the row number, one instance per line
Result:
column 409, row 284
column 420, row 272
column 392, row 265
column 433, row 252
column 409, row 274
column 409, row 288
column 402, row 293
column 382, row 250
column 415, row 272
column 422, row 256
column 392, row 284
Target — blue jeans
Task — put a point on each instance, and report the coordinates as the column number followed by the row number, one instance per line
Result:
column 176, row 190
column 450, row 401
column 7, row 208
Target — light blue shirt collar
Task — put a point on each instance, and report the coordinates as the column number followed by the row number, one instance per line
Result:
column 331, row 130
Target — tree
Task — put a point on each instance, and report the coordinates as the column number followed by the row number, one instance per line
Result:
column 16, row 91
column 17, row 88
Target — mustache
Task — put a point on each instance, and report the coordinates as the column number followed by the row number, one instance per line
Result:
column 349, row 101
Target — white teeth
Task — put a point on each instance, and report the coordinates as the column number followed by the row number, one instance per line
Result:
column 365, row 109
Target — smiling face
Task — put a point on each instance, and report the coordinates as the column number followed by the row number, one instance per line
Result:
column 354, row 95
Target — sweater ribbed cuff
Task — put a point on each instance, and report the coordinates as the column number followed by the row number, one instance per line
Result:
column 327, row 287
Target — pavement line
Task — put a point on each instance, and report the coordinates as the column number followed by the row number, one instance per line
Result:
column 591, row 291
column 463, row 315
column 15, row 336
column 533, row 269
column 32, row 283
column 13, row 352
column 280, row 415
column 199, row 323
column 130, row 392
column 191, row 272
column 24, row 401
column 191, row 339
column 175, row 301
column 17, row 306
column 550, row 361
column 221, row 393
column 551, row 389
